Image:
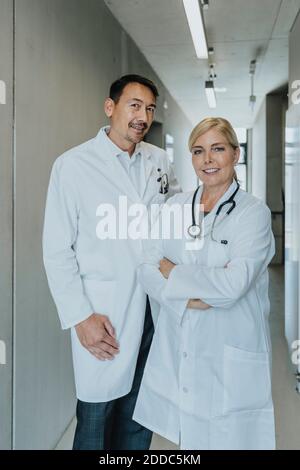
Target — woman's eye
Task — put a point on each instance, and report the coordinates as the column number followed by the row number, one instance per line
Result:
column 218, row 149
column 197, row 152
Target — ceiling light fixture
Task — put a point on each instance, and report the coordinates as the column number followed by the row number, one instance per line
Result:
column 193, row 11
column 212, row 74
column 210, row 94
column 205, row 4
column 252, row 69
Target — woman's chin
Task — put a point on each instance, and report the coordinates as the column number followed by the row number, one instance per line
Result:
column 211, row 180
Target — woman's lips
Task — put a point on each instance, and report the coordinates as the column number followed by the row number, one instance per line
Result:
column 210, row 171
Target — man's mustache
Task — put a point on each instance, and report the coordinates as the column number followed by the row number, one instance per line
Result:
column 144, row 124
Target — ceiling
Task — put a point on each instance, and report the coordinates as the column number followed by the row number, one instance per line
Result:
column 239, row 31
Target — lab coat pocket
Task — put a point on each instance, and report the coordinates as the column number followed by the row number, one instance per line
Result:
column 102, row 295
column 247, row 380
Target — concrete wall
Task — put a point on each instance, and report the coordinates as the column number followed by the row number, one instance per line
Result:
column 268, row 144
column 67, row 54
column 276, row 108
column 6, row 235
column 294, row 63
column 259, row 154
column 176, row 124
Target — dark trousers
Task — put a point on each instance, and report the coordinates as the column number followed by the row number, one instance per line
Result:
column 109, row 425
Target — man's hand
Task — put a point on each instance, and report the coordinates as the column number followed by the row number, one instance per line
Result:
column 97, row 335
column 165, row 267
column 197, row 304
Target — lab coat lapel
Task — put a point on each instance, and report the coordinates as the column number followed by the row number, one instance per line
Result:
column 191, row 246
column 147, row 169
column 209, row 219
column 207, row 223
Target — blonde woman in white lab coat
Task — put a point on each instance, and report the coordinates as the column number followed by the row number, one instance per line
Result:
column 207, row 382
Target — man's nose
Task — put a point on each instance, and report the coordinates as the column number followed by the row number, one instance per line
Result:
column 143, row 114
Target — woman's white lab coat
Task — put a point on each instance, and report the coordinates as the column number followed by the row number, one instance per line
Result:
column 207, row 382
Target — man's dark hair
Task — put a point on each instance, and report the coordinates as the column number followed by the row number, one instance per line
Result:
column 118, row 86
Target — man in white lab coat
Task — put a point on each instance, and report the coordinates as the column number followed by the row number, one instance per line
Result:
column 92, row 271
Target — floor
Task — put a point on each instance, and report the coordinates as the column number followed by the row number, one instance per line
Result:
column 286, row 399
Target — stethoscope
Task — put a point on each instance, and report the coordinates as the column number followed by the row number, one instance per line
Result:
column 164, row 182
column 195, row 230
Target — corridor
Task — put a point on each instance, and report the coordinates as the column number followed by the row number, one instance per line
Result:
column 62, row 69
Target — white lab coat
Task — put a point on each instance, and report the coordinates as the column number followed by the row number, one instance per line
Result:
column 207, row 381
column 86, row 274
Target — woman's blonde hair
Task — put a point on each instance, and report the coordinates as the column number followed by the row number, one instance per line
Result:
column 219, row 124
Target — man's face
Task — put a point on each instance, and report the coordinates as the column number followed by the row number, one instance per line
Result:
column 132, row 116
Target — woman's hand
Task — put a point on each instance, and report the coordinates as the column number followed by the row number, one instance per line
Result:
column 197, row 304
column 165, row 267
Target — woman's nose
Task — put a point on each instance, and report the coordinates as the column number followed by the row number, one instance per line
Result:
column 208, row 157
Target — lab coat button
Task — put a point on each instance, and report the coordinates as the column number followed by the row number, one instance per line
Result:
column 185, row 354
column 185, row 390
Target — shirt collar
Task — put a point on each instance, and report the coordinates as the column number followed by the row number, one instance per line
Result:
column 115, row 150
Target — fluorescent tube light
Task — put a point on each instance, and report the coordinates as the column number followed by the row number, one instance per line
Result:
column 194, row 16
column 210, row 94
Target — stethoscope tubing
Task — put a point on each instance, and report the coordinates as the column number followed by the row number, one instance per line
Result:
column 194, row 230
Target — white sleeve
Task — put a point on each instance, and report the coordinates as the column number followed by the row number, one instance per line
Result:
column 151, row 279
column 59, row 236
column 251, row 252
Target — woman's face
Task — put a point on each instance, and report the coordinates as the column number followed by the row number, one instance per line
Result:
column 214, row 159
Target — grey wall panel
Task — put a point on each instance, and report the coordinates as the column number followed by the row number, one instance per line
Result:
column 276, row 109
column 67, row 54
column 63, row 69
column 294, row 63
column 6, row 166
column 259, row 154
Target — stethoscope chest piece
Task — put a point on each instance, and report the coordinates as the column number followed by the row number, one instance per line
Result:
column 194, row 231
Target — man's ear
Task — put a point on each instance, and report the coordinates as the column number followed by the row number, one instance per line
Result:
column 109, row 106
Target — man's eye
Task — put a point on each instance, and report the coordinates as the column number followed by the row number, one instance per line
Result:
column 151, row 110
column 135, row 105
